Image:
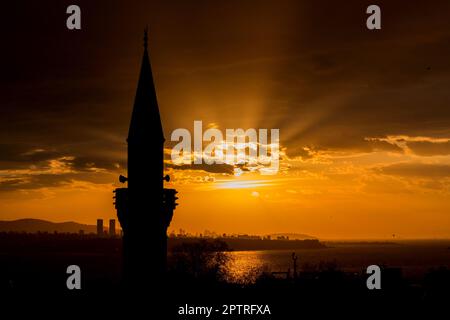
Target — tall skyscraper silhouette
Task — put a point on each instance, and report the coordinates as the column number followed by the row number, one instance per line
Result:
column 145, row 208
column 112, row 227
column 100, row 227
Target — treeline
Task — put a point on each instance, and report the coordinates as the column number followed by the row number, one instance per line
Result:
column 237, row 244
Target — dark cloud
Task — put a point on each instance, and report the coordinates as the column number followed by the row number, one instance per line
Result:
column 429, row 148
column 302, row 152
column 339, row 142
column 22, row 156
column 376, row 145
column 414, row 170
column 28, row 182
column 212, row 168
column 39, row 181
column 86, row 163
column 25, row 152
column 25, row 168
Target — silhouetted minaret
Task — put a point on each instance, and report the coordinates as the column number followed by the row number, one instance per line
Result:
column 145, row 208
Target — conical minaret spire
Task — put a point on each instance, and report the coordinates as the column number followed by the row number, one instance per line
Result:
column 145, row 120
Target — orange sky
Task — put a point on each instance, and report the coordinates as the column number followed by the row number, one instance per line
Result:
column 363, row 117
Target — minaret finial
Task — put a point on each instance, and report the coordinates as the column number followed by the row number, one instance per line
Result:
column 146, row 37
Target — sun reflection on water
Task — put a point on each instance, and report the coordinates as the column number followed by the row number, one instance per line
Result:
column 245, row 266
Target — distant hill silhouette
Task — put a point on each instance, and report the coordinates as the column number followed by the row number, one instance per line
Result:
column 36, row 225
column 293, row 236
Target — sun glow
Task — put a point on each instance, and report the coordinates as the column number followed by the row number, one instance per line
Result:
column 244, row 184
